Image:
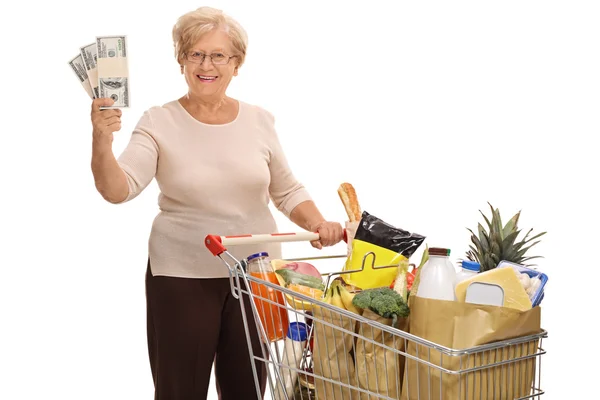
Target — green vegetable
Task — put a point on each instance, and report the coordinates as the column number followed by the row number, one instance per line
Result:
column 290, row 276
column 384, row 302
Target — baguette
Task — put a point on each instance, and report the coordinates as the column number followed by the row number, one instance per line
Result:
column 350, row 201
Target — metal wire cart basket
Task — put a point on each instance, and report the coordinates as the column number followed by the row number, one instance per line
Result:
column 332, row 353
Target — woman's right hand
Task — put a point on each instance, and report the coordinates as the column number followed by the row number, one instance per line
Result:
column 105, row 122
column 109, row 178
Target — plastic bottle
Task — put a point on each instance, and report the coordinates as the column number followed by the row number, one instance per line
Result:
column 293, row 349
column 469, row 269
column 438, row 276
column 274, row 317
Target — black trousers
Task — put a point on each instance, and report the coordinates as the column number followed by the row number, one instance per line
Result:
column 192, row 323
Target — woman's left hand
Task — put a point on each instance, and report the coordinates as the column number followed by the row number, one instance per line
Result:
column 330, row 233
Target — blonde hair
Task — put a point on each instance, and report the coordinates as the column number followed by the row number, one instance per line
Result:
column 191, row 26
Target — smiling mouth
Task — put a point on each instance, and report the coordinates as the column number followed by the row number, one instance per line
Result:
column 207, row 78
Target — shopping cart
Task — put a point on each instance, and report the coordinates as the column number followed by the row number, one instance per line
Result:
column 348, row 356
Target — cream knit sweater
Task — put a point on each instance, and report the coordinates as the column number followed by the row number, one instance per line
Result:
column 213, row 179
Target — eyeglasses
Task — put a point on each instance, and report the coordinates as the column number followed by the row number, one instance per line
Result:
column 216, row 58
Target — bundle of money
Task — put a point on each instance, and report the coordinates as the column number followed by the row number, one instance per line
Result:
column 103, row 70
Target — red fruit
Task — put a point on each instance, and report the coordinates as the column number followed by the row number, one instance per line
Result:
column 410, row 278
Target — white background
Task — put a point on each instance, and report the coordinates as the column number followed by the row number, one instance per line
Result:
column 431, row 109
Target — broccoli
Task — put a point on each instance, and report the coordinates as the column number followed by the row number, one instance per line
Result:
column 384, row 302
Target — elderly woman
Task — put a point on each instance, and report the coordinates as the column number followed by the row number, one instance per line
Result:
column 218, row 162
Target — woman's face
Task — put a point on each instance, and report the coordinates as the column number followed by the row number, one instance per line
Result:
column 209, row 78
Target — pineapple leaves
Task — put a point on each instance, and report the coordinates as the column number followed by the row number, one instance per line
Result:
column 484, row 240
column 488, row 263
column 508, row 248
column 496, row 221
column 511, row 225
column 494, row 243
column 472, row 254
column 498, row 242
column 522, row 252
column 489, row 224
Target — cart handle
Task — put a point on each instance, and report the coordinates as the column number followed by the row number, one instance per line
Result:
column 216, row 244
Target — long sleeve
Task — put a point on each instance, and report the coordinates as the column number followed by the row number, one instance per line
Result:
column 213, row 179
column 140, row 158
column 285, row 190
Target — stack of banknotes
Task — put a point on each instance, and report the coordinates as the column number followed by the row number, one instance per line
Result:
column 103, row 70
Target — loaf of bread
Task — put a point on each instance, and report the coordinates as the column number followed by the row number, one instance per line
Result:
column 350, row 201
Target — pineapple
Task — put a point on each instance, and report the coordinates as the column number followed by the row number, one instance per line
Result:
column 500, row 242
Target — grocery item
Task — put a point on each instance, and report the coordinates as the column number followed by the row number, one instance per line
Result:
column 532, row 281
column 500, row 242
column 336, row 299
column 351, row 205
column 384, row 302
column 415, row 285
column 437, row 276
column 316, row 294
column 332, row 349
column 385, row 243
column 347, row 298
column 410, row 279
column 274, row 317
column 379, row 364
column 350, row 229
column 293, row 349
column 462, row 326
column 348, row 196
column 485, row 294
column 291, row 276
column 302, row 267
column 468, row 269
column 400, row 284
column 339, row 296
column 277, row 263
column 514, row 294
column 307, row 285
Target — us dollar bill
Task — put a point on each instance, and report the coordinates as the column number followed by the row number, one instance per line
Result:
column 113, row 70
column 78, row 67
column 89, row 53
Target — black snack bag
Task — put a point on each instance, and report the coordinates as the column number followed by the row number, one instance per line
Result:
column 389, row 244
column 373, row 230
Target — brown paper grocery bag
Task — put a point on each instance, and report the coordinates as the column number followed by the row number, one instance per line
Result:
column 379, row 369
column 461, row 326
column 332, row 355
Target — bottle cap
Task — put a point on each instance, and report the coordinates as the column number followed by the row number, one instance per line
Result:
column 256, row 255
column 439, row 251
column 298, row 331
column 471, row 265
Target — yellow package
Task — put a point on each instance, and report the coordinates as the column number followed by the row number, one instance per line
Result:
column 376, row 244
